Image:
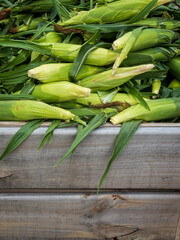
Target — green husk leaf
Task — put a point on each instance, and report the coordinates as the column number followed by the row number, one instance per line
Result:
column 39, row 31
column 16, row 97
column 25, row 45
column 22, row 57
column 28, row 88
column 24, row 132
column 107, row 96
column 82, row 56
column 143, row 12
column 49, row 132
column 135, row 93
column 79, row 129
column 127, row 48
column 61, row 10
column 126, row 132
column 93, row 124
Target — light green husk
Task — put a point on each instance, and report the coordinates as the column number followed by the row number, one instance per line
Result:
column 148, row 38
column 113, row 12
column 68, row 52
column 174, row 84
column 105, row 80
column 159, row 23
column 54, row 72
column 51, row 37
column 94, row 99
column 174, row 67
column 159, row 109
column 25, row 110
column 60, row 92
column 156, row 85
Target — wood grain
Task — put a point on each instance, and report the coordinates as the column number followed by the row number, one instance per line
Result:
column 132, row 216
column 178, row 229
column 150, row 161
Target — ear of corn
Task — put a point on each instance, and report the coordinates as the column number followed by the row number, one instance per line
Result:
column 156, row 85
column 51, row 37
column 174, row 67
column 174, row 84
column 113, row 12
column 54, row 72
column 59, row 92
column 159, row 109
column 94, row 99
column 148, row 38
column 25, row 110
column 106, row 81
column 68, row 52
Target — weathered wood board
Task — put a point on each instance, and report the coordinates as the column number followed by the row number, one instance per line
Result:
column 127, row 216
column 150, row 161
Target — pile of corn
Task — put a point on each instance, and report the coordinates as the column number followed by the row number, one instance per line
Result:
column 60, row 59
column 63, row 56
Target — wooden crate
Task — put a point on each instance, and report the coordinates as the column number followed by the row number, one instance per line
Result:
column 139, row 200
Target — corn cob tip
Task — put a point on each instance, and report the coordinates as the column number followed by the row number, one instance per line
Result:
column 147, row 67
column 87, row 92
column 114, row 120
column 32, row 73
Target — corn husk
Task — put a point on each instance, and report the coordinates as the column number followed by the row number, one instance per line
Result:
column 25, row 110
column 174, row 67
column 60, row 92
column 148, row 38
column 156, row 85
column 113, row 12
column 54, row 72
column 51, row 37
column 174, row 84
column 68, row 52
column 159, row 109
column 106, row 81
column 94, row 99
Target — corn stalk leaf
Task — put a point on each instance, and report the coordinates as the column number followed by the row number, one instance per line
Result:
column 4, row 97
column 79, row 129
column 105, row 28
column 85, row 50
column 25, row 45
column 28, row 88
column 22, row 57
column 93, row 124
column 39, row 31
column 49, row 133
column 24, row 132
column 126, row 133
column 135, row 92
column 61, row 10
column 145, row 11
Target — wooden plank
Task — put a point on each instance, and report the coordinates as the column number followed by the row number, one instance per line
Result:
column 178, row 230
column 150, row 216
column 150, row 161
